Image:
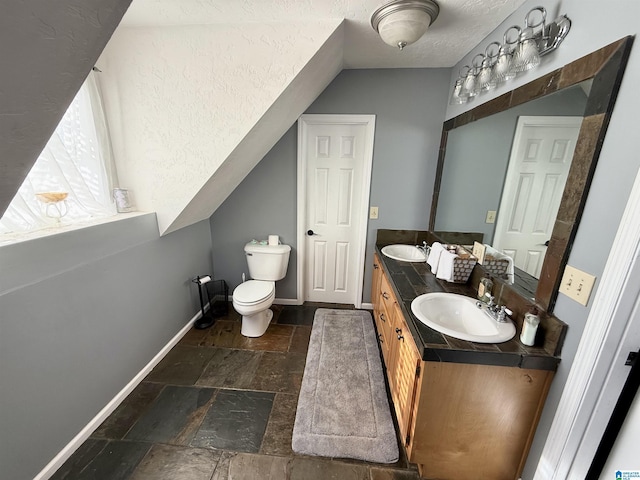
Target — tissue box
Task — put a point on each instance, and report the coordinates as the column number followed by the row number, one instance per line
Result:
column 463, row 265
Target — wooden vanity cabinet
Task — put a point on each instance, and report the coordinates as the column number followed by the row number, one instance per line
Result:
column 401, row 357
column 457, row 420
column 404, row 374
column 475, row 421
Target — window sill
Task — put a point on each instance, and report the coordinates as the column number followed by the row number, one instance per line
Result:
column 13, row 238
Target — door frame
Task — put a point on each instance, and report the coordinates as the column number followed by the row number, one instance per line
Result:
column 334, row 119
column 586, row 402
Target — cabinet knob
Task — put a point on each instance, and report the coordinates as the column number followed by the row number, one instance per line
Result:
column 375, row 266
column 385, row 295
column 400, row 337
column 380, row 338
column 382, row 317
column 399, row 334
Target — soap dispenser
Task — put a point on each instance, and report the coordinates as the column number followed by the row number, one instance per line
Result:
column 484, row 289
column 530, row 327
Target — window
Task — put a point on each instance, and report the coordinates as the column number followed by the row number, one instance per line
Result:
column 72, row 179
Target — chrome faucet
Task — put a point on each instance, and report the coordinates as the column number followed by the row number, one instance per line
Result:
column 426, row 249
column 498, row 312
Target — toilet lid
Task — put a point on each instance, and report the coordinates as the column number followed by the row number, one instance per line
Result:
column 253, row 291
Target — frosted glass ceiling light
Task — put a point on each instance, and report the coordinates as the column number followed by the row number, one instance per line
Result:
column 402, row 22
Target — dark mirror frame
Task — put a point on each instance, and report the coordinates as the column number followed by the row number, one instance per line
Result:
column 606, row 67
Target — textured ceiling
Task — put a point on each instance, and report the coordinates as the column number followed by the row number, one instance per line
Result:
column 461, row 25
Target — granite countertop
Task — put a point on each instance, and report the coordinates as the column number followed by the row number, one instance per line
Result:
column 410, row 280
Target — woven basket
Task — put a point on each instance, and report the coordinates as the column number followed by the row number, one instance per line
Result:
column 463, row 265
column 496, row 266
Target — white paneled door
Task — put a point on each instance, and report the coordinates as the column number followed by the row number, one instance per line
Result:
column 336, row 152
column 541, row 156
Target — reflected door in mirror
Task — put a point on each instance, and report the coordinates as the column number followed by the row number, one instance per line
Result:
column 538, row 168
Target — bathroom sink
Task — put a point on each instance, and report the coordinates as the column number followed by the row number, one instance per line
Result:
column 459, row 317
column 404, row 253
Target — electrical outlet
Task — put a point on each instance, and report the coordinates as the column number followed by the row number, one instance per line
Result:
column 577, row 284
column 491, row 217
column 373, row 213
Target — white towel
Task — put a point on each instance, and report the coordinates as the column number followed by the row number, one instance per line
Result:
column 434, row 256
column 445, row 266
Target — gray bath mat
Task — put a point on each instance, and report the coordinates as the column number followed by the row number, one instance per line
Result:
column 343, row 409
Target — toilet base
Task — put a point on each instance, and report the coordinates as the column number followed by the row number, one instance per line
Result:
column 255, row 325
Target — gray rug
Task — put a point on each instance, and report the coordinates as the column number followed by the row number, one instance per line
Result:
column 343, row 409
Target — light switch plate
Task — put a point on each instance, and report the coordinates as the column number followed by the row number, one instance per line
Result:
column 491, row 216
column 577, row 284
column 373, row 213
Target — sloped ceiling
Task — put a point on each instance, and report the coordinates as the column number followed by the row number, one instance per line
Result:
column 47, row 49
column 197, row 91
column 194, row 108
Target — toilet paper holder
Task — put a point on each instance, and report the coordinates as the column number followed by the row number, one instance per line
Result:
column 218, row 307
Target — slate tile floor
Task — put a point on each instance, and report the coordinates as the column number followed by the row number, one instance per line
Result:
column 219, row 406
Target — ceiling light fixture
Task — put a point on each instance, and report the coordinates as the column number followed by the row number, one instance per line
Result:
column 402, row 22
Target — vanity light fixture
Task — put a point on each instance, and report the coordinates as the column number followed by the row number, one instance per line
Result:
column 402, row 22
column 519, row 52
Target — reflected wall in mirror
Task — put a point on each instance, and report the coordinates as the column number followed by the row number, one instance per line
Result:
column 514, row 163
column 474, row 183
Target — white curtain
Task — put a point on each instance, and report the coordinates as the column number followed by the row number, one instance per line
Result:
column 76, row 160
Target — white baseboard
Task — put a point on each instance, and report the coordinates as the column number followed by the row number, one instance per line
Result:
column 79, row 439
column 287, row 301
column 367, row 306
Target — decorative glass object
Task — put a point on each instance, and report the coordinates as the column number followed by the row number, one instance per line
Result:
column 55, row 205
column 123, row 201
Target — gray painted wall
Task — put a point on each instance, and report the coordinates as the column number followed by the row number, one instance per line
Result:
column 263, row 204
column 82, row 313
column 476, row 162
column 409, row 105
column 618, row 166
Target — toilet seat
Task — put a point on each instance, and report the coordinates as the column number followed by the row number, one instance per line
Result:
column 253, row 292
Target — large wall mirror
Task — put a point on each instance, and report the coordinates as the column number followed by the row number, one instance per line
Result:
column 489, row 163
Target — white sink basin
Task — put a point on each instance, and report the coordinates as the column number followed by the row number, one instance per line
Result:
column 404, row 253
column 459, row 317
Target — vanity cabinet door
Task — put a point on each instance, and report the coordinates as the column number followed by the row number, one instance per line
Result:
column 376, row 299
column 375, row 282
column 476, row 421
column 380, row 317
column 388, row 322
column 404, row 376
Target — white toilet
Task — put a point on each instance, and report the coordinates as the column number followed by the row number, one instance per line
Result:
column 252, row 299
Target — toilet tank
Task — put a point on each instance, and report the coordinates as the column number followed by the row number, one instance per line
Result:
column 267, row 262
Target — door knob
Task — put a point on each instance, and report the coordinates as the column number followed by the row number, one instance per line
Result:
column 311, row 232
